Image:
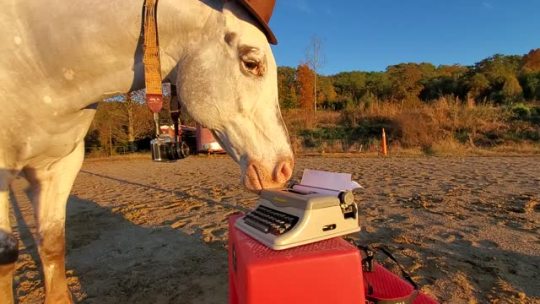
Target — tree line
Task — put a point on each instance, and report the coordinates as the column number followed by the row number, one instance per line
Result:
column 499, row 79
column 123, row 122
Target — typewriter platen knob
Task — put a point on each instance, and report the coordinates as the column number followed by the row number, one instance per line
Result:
column 346, row 197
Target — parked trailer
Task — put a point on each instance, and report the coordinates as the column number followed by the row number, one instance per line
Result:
column 206, row 143
column 198, row 139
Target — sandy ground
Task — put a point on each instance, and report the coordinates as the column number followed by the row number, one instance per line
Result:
column 142, row 232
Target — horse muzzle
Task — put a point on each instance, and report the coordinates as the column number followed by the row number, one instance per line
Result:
column 258, row 177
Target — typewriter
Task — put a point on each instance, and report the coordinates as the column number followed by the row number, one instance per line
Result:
column 299, row 215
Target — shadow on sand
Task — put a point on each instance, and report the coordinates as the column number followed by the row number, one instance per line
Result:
column 111, row 260
column 455, row 266
column 178, row 194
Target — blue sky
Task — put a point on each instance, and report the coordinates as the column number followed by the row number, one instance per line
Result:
column 369, row 35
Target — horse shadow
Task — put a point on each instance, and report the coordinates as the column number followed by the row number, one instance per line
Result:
column 111, row 260
column 451, row 264
column 178, row 194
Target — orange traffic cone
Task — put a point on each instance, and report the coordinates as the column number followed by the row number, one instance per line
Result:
column 383, row 144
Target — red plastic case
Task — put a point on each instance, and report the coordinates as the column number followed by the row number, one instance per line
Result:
column 329, row 271
column 326, row 272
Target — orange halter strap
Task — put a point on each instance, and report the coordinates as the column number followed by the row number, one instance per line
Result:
column 152, row 64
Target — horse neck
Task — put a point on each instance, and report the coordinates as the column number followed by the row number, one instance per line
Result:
column 94, row 47
column 183, row 25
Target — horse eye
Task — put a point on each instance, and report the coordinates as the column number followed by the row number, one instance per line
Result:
column 251, row 64
column 253, row 67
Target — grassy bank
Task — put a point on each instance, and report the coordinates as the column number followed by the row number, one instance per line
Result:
column 444, row 127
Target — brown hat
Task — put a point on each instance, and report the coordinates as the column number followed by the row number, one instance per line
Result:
column 261, row 10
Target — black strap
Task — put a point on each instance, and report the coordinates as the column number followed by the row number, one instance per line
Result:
column 367, row 262
column 368, row 266
column 174, row 109
column 404, row 273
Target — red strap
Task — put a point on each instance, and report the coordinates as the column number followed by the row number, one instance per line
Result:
column 154, row 102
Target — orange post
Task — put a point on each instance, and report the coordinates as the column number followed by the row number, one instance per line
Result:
column 383, row 144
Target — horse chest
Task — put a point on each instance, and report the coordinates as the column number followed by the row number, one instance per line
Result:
column 49, row 137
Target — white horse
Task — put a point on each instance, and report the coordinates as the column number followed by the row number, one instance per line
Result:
column 58, row 58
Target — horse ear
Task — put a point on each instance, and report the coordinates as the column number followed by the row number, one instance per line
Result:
column 230, row 38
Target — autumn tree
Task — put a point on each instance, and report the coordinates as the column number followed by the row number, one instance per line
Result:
column 305, row 80
column 531, row 62
column 120, row 120
column 130, row 106
column 530, row 75
column 108, row 127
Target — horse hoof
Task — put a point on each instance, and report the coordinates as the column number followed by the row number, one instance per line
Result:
column 9, row 248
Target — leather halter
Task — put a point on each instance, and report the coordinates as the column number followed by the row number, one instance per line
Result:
column 151, row 61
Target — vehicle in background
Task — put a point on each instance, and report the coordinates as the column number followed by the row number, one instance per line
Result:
column 206, row 142
column 198, row 139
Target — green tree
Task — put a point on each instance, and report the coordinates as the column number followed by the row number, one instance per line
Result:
column 406, row 79
column 350, row 85
column 498, row 67
column 287, row 87
column 501, row 71
column 511, row 90
column 445, row 80
column 530, row 83
column 478, row 86
column 326, row 92
column 378, row 84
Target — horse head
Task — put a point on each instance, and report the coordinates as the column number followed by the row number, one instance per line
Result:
column 229, row 84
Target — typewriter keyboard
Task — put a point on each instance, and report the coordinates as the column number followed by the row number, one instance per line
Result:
column 269, row 220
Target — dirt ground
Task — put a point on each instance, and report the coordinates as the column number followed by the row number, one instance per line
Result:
column 141, row 232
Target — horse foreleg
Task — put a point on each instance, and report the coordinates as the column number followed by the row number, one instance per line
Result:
column 51, row 187
column 9, row 247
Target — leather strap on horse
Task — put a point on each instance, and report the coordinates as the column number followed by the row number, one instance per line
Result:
column 152, row 65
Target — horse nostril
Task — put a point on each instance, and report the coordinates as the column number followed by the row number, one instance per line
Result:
column 257, row 177
column 283, row 172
